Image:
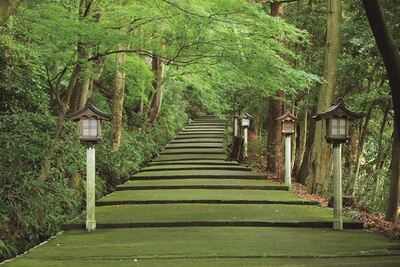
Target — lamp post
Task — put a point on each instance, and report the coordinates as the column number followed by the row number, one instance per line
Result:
column 245, row 123
column 236, row 116
column 337, row 119
column 288, row 123
column 89, row 118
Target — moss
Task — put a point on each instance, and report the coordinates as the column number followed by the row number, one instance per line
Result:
column 223, row 246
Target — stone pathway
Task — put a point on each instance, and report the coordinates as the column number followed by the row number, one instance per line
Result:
column 191, row 207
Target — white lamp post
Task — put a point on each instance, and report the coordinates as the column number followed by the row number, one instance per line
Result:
column 245, row 123
column 236, row 116
column 288, row 124
column 337, row 119
column 89, row 118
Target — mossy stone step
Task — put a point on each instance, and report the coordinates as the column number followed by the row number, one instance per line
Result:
column 189, row 157
column 195, row 167
column 208, row 121
column 206, row 127
column 194, row 145
column 195, row 130
column 193, row 151
column 200, row 124
column 207, row 246
column 198, row 141
column 197, row 173
column 199, row 136
column 203, row 182
column 197, row 162
column 202, row 133
column 176, row 215
column 231, row 196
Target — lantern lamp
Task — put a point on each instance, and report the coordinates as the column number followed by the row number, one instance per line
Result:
column 337, row 119
column 288, row 123
column 89, row 118
column 245, row 120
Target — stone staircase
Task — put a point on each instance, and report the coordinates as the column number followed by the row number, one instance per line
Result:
column 192, row 184
column 191, row 207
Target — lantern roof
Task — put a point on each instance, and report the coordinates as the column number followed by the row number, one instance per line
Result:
column 246, row 115
column 89, row 110
column 338, row 109
column 287, row 117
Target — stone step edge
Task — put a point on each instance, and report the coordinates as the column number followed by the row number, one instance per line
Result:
column 211, row 187
column 141, row 178
column 193, row 147
column 168, row 152
column 206, row 201
column 208, row 168
column 293, row 224
column 200, row 142
column 179, row 137
column 196, row 158
column 177, row 162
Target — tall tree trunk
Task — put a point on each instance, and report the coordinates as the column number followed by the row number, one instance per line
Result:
column 7, row 8
column 304, row 169
column 391, row 59
column 275, row 109
column 301, row 144
column 388, row 50
column 156, row 98
column 118, row 99
column 320, row 162
column 393, row 200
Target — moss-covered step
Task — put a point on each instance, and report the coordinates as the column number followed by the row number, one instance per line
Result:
column 195, row 167
column 203, row 131
column 219, row 133
column 190, row 162
column 201, row 184
column 193, row 151
column 198, row 140
column 183, row 215
column 215, row 261
column 190, row 157
column 227, row 196
column 211, row 124
column 199, row 136
column 207, row 246
column 204, row 128
column 208, row 121
column 197, row 173
column 195, row 145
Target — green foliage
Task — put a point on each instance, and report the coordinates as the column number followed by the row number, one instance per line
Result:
column 31, row 210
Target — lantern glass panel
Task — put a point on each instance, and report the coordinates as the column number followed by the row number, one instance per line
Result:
column 288, row 127
column 338, row 127
column 342, row 126
column 245, row 122
column 89, row 128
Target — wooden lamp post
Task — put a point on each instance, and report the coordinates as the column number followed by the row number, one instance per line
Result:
column 245, row 123
column 288, row 126
column 337, row 119
column 89, row 118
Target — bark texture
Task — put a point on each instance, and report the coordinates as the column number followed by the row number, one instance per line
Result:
column 391, row 58
column 157, row 95
column 7, row 8
column 275, row 109
column 393, row 200
column 320, row 162
column 118, row 99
